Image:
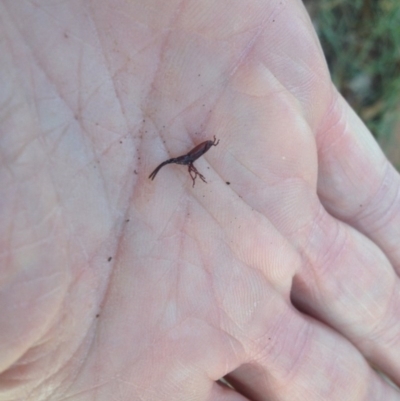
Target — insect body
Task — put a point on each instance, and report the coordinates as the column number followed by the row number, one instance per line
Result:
column 188, row 160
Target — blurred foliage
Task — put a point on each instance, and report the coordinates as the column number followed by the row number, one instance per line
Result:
column 361, row 42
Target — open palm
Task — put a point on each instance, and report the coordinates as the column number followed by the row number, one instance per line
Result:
column 279, row 273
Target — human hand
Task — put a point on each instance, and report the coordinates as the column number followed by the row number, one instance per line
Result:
column 115, row 287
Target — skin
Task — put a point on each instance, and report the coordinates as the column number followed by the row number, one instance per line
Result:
column 116, row 287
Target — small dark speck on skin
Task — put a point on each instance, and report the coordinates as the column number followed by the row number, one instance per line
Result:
column 360, row 205
column 135, row 171
column 127, row 221
column 120, row 141
column 97, row 315
column 109, row 259
column 228, row 183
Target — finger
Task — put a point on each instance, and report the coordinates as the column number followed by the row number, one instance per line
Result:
column 300, row 359
column 348, row 282
column 221, row 392
column 356, row 183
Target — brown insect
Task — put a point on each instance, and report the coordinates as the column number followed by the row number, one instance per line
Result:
column 188, row 160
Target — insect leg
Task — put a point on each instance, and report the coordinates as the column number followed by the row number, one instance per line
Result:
column 193, row 169
column 154, row 173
